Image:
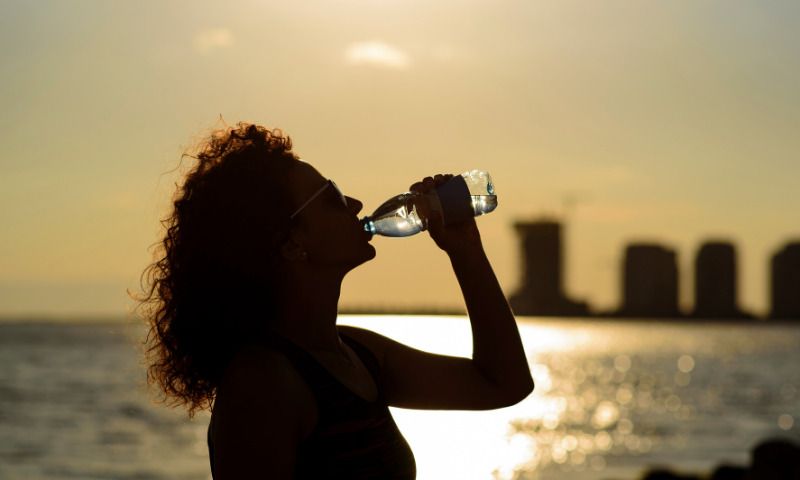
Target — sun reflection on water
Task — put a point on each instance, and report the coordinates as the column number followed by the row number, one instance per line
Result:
column 601, row 396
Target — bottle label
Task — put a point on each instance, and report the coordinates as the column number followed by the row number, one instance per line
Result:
column 455, row 199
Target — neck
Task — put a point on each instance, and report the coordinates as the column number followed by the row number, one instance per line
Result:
column 308, row 310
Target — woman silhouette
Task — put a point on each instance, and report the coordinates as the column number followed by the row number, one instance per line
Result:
column 242, row 314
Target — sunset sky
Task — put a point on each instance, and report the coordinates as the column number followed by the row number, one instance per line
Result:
column 670, row 121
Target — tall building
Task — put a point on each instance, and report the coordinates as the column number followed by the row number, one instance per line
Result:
column 785, row 287
column 542, row 290
column 650, row 282
column 715, row 289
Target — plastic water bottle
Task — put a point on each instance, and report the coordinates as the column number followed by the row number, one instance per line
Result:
column 460, row 198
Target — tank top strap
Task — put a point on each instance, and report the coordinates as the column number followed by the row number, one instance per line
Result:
column 325, row 387
column 365, row 354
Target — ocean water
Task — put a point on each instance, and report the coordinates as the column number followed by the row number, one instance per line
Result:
column 611, row 399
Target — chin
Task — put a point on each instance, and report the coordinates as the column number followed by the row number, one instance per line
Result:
column 369, row 254
column 366, row 255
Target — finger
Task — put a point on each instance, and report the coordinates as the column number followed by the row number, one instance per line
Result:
column 438, row 179
column 417, row 187
column 423, row 207
column 428, row 183
column 435, row 222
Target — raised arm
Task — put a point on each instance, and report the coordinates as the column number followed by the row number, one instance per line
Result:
column 496, row 346
column 497, row 375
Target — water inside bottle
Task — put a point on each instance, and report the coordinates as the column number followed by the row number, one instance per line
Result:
column 400, row 222
column 482, row 204
column 398, row 216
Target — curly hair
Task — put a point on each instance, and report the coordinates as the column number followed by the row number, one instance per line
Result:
column 212, row 287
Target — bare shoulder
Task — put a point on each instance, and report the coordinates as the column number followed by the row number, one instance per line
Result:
column 375, row 342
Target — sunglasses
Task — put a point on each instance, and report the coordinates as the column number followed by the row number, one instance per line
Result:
column 330, row 183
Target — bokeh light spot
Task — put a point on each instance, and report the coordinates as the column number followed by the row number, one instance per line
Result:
column 625, row 426
column 785, row 422
column 624, row 394
column 603, row 440
column 686, row 363
column 673, row 403
column 622, row 363
column 605, row 415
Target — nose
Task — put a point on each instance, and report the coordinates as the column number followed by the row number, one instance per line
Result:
column 354, row 204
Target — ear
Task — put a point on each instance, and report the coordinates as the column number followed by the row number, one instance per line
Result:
column 292, row 251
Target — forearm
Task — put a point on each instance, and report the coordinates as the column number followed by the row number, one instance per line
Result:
column 496, row 345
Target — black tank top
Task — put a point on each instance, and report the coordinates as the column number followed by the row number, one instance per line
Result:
column 353, row 438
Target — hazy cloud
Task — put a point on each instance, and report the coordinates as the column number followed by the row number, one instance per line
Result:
column 213, row 38
column 378, row 54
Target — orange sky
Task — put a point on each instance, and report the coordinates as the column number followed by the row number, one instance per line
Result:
column 670, row 121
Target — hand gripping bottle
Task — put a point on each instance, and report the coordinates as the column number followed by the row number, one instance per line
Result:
column 460, row 198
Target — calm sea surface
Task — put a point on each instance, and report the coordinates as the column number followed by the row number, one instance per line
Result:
column 611, row 399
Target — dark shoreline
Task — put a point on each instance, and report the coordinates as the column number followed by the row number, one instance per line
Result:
column 601, row 317
column 121, row 319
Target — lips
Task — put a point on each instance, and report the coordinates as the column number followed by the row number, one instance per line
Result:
column 362, row 225
column 367, row 235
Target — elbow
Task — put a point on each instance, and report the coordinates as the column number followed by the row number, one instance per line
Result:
column 519, row 394
column 529, row 387
column 526, row 390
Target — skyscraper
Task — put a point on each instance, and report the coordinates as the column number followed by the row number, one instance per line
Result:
column 650, row 282
column 785, row 287
column 715, row 288
column 542, row 291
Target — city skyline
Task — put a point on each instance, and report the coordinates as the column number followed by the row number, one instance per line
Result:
column 541, row 287
column 650, row 280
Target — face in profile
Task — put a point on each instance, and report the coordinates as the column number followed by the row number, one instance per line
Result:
column 326, row 224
